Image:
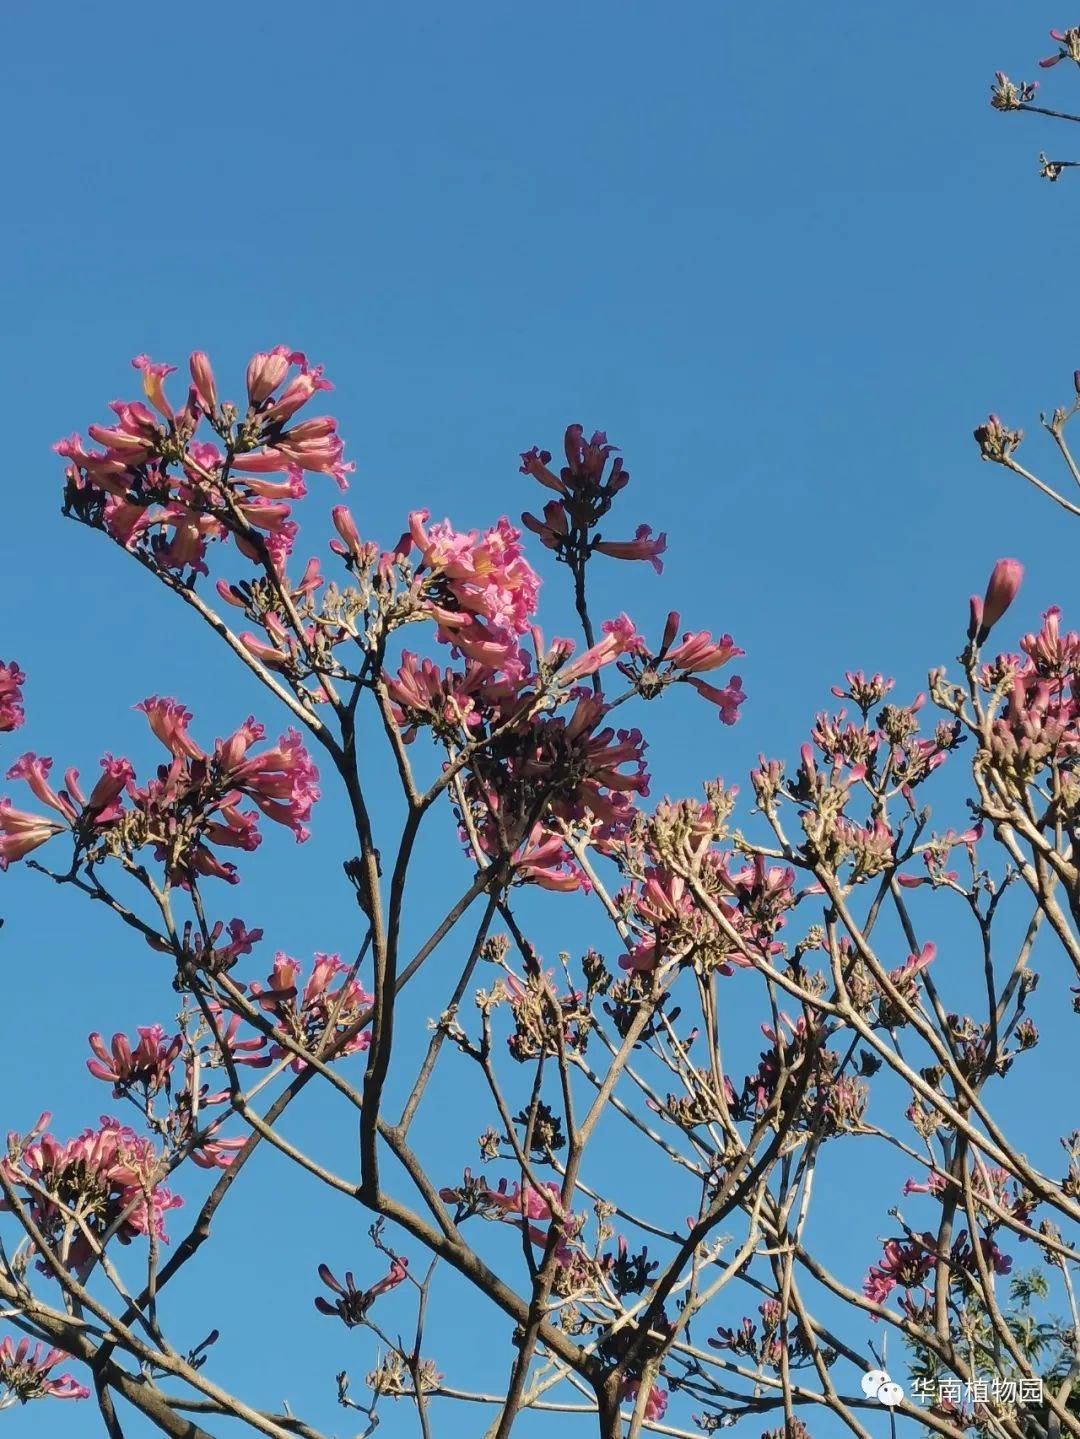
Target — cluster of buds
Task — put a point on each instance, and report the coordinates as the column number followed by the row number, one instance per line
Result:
column 995, row 440
column 352, row 1304
column 1068, row 42
column 396, row 1378
column 764, row 1349
column 905, row 982
column 629, row 1272
column 1005, row 1193
column 144, row 1071
column 544, row 1020
column 1006, row 95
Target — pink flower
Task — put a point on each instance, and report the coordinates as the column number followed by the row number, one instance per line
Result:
column 422, row 693
column 11, row 700
column 1001, row 590
column 1051, row 652
column 282, row 781
column 153, row 375
column 554, row 529
column 310, row 447
column 655, row 1405
column 169, row 722
column 24, row 1373
column 726, row 700
column 642, row 547
column 21, row 833
column 526, row 1205
column 297, row 393
column 35, row 770
column 904, row 976
column 698, row 653
column 486, row 575
column 620, row 638
column 935, row 1183
column 116, row 776
column 219, row 957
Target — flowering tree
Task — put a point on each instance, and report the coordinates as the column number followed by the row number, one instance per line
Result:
column 886, row 961
column 543, row 790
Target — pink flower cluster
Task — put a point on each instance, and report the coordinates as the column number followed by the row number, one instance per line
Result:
column 526, row 1206
column 585, row 495
column 26, row 1374
column 320, row 1013
column 192, row 804
column 669, row 922
column 1041, row 715
column 655, row 1405
column 109, row 1175
column 908, row 1265
column 12, row 680
column 154, row 483
column 142, row 1070
column 540, row 769
column 146, row 1066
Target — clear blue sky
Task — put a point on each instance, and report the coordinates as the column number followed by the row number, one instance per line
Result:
column 786, row 256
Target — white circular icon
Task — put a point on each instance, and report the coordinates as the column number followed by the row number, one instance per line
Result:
column 876, row 1384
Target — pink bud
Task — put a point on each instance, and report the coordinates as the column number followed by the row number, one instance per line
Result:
column 1004, row 583
column 1076, row 381
column 266, row 371
column 346, row 527
column 202, row 377
column 975, row 622
column 671, row 629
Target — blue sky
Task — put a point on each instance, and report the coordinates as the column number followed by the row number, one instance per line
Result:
column 787, row 262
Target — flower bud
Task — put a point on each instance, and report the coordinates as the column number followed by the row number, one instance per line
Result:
column 975, row 622
column 1002, row 589
column 202, row 377
column 346, row 528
